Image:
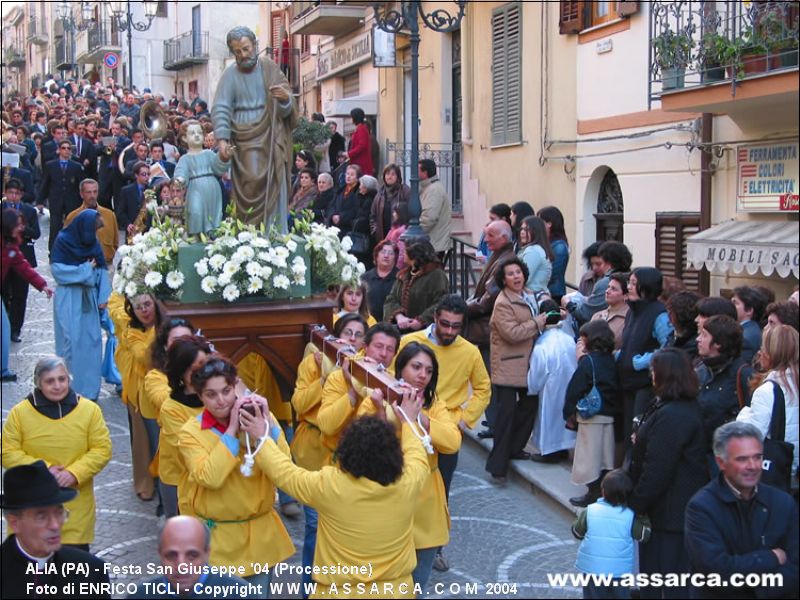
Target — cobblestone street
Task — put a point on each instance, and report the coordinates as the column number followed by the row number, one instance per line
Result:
column 499, row 535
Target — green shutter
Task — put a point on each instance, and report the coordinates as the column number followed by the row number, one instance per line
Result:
column 507, row 74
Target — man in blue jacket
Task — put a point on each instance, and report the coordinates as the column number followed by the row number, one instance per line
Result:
column 738, row 526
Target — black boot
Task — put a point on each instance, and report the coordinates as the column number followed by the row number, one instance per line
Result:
column 590, row 497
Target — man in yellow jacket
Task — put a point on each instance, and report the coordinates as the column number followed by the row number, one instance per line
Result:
column 107, row 234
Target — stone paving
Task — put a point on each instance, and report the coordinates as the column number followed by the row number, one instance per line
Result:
column 505, row 540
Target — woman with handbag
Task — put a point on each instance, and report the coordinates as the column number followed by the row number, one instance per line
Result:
column 513, row 330
column 592, row 402
column 779, row 352
column 668, row 466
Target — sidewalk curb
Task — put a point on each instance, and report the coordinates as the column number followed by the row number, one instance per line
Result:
column 551, row 480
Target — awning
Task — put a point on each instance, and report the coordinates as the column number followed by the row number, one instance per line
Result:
column 736, row 246
column 342, row 106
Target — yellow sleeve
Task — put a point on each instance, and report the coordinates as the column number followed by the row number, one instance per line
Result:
column 481, row 392
column 335, row 408
column 207, row 469
column 138, row 343
column 171, row 420
column 13, row 454
column 416, row 469
column 99, row 452
column 307, row 486
column 156, row 388
column 445, row 434
column 116, row 310
column 308, row 390
column 283, row 445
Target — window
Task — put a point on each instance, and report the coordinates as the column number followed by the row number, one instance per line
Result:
column 577, row 16
column 507, row 74
column 277, row 29
column 193, row 88
column 305, row 45
column 162, row 10
column 672, row 230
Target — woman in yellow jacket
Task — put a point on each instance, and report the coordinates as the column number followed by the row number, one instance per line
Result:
column 222, row 486
column 353, row 299
column 366, row 506
column 416, row 365
column 68, row 432
column 307, row 448
column 135, row 323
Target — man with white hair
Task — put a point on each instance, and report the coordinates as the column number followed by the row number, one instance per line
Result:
column 737, row 525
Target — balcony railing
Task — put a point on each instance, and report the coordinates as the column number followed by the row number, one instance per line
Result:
column 63, row 54
column 91, row 44
column 290, row 68
column 37, row 31
column 14, row 57
column 695, row 43
column 185, row 50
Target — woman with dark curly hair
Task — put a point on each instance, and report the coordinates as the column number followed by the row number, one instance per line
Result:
column 391, row 193
column 682, row 311
column 419, row 286
column 366, row 502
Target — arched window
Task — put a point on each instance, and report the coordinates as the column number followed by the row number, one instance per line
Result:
column 610, row 209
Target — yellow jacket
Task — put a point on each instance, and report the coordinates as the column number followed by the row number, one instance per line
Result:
column 257, row 376
column 307, row 448
column 132, row 356
column 460, row 366
column 431, row 517
column 244, row 527
column 79, row 442
column 335, row 411
column 172, row 418
column 155, row 391
column 107, row 235
column 337, row 314
column 361, row 522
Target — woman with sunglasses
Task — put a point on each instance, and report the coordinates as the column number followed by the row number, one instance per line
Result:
column 225, row 484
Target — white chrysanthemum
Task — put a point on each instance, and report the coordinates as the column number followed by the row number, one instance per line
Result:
column 153, row 279
column 201, row 267
column 224, row 279
column 347, row 273
column 331, row 258
column 131, row 290
column 174, row 280
column 246, row 251
column 124, row 251
column 230, row 268
column 150, row 257
column 347, row 243
column 266, row 271
column 209, row 284
column 265, row 256
column 253, row 269
column 216, row 262
column 260, row 242
column 299, row 269
column 230, row 293
column 360, row 269
column 230, row 242
column 291, row 245
column 126, row 262
column 298, row 260
column 281, row 282
column 255, row 285
column 245, row 236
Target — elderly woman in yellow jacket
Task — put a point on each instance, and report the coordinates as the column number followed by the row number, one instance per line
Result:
column 222, row 484
column 416, row 366
column 308, row 450
column 68, row 432
column 136, row 322
column 366, row 505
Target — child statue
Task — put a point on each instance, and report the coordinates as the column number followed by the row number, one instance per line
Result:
column 198, row 170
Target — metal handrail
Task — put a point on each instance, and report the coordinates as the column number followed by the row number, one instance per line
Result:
column 460, row 264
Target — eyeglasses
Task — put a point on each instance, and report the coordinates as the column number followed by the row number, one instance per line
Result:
column 42, row 517
column 143, row 306
column 448, row 325
column 352, row 334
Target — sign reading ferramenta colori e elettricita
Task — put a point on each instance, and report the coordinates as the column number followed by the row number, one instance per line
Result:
column 767, row 177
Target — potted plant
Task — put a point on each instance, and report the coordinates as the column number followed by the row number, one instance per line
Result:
column 780, row 38
column 752, row 53
column 717, row 52
column 672, row 53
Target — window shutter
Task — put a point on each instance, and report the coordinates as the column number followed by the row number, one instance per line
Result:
column 277, row 26
column 626, row 9
column 672, row 231
column 570, row 17
column 507, row 74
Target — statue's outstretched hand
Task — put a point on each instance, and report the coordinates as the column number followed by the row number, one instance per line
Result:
column 224, row 150
column 279, row 92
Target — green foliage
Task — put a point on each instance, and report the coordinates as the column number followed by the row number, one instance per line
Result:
column 310, row 133
column 673, row 50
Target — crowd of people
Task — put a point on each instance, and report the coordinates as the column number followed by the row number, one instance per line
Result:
column 665, row 402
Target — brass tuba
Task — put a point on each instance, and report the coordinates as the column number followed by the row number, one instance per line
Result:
column 153, row 123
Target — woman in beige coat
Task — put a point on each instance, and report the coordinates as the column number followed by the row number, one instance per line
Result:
column 513, row 330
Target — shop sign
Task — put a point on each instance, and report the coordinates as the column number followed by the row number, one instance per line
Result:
column 767, row 177
column 349, row 54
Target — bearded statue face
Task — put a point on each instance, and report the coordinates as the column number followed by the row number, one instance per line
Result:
column 244, row 50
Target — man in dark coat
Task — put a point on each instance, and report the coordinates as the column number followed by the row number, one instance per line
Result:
column 15, row 288
column 59, row 188
column 110, row 177
column 33, row 556
column 337, row 144
column 85, row 153
column 738, row 526
column 131, row 199
column 50, row 148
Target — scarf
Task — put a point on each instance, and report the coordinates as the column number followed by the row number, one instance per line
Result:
column 409, row 275
column 78, row 242
column 190, row 400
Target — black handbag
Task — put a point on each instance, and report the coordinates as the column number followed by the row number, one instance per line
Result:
column 591, row 403
column 360, row 242
column 778, row 453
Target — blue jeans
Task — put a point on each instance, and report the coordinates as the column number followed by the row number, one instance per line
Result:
column 5, row 339
column 309, row 544
column 422, row 572
column 283, row 497
column 262, row 579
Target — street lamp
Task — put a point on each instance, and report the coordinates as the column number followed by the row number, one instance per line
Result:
column 121, row 11
column 64, row 13
column 395, row 20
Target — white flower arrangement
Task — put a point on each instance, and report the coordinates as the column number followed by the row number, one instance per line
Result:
column 331, row 262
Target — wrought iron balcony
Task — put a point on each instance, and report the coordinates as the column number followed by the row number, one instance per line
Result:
column 185, row 50
column 37, row 31
column 695, row 43
column 63, row 54
column 326, row 18
column 14, row 57
column 92, row 44
column 291, row 65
